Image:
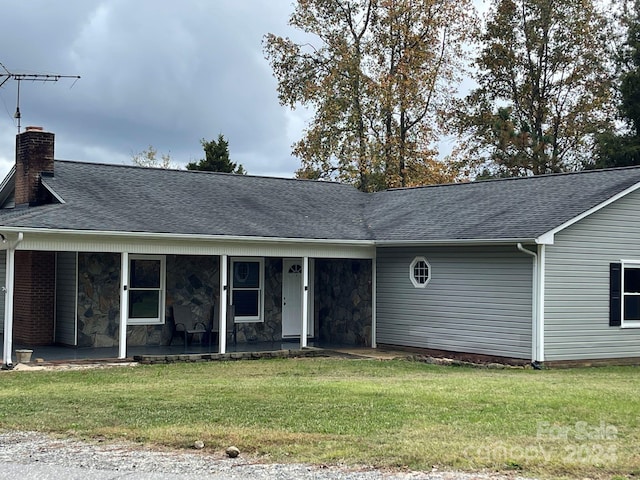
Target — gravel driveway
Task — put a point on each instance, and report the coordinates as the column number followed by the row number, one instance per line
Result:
column 34, row 455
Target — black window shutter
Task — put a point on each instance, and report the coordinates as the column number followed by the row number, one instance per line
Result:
column 615, row 294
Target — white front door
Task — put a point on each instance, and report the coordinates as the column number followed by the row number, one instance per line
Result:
column 292, row 298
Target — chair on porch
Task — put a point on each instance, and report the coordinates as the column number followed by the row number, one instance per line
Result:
column 231, row 325
column 187, row 325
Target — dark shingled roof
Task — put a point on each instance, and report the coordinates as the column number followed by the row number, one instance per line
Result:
column 515, row 208
column 134, row 199
column 123, row 198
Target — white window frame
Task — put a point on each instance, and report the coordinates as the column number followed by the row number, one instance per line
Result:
column 624, row 265
column 160, row 320
column 412, row 276
column 260, row 260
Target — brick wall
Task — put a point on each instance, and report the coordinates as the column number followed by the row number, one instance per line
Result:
column 34, row 298
column 34, row 155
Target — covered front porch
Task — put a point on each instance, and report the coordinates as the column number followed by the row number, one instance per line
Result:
column 121, row 304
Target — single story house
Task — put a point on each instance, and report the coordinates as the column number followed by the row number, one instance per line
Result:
column 542, row 268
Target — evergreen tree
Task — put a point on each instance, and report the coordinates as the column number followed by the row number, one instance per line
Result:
column 216, row 158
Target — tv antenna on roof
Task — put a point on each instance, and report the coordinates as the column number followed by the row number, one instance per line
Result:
column 34, row 77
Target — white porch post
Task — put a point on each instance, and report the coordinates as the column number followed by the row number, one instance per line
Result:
column 8, row 307
column 374, row 341
column 305, row 302
column 224, row 301
column 124, row 304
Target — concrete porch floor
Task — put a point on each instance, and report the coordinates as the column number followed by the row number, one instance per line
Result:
column 56, row 353
column 60, row 353
column 63, row 355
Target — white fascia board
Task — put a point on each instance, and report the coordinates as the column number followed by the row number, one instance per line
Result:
column 548, row 237
column 7, row 184
column 186, row 236
column 163, row 244
column 52, row 192
column 455, row 241
column 8, row 179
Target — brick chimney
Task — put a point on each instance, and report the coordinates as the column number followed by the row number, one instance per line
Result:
column 34, row 155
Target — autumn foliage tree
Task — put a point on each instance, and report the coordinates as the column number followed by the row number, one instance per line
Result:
column 149, row 158
column 544, row 88
column 378, row 76
column 620, row 147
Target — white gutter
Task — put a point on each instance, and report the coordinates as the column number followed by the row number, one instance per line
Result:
column 537, row 305
column 455, row 241
column 8, row 300
column 256, row 239
column 190, row 236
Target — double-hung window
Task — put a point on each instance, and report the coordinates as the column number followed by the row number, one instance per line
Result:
column 247, row 289
column 146, row 289
column 624, row 294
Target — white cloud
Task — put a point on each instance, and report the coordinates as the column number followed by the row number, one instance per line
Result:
column 153, row 73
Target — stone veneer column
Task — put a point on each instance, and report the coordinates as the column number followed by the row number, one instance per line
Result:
column 344, row 301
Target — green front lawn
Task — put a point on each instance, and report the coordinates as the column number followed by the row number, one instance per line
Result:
column 573, row 423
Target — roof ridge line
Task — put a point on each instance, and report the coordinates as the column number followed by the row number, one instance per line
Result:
column 180, row 170
column 529, row 177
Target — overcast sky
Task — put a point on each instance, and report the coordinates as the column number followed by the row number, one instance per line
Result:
column 154, row 72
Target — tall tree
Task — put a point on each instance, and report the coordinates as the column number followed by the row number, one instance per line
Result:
column 621, row 147
column 216, row 158
column 149, row 158
column 544, row 87
column 377, row 74
column 418, row 62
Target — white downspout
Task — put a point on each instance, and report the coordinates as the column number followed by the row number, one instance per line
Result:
column 535, row 323
column 542, row 260
column 8, row 302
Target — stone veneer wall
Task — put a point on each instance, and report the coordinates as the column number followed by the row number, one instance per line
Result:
column 190, row 280
column 271, row 329
column 98, row 299
column 343, row 301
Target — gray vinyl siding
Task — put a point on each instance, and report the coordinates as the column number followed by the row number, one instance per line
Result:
column 577, row 284
column 477, row 301
column 66, row 298
column 3, row 280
